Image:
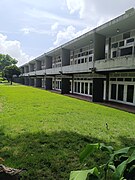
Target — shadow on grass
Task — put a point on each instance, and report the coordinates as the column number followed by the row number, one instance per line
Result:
column 46, row 156
column 50, row 156
column 126, row 141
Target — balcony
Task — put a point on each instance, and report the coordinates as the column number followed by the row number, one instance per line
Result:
column 53, row 71
column 41, row 72
column 120, row 63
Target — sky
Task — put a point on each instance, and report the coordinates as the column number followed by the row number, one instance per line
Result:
column 29, row 28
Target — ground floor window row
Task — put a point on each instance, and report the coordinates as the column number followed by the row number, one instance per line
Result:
column 122, row 92
column 83, row 87
column 127, row 79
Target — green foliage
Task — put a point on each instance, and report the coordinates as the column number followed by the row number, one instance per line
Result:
column 84, row 174
column 6, row 60
column 44, row 132
column 10, row 71
column 121, row 163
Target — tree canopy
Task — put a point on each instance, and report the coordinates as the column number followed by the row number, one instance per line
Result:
column 6, row 60
column 10, row 72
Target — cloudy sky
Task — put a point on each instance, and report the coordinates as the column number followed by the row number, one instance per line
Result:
column 29, row 28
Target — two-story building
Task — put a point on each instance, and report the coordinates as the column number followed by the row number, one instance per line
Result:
column 99, row 64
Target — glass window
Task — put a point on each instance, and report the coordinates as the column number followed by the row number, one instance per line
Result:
column 90, row 89
column 78, row 87
column 86, row 88
column 130, row 40
column 120, row 92
column 119, row 79
column 82, row 87
column 114, row 54
column 126, row 35
column 128, row 79
column 126, row 51
column 114, row 45
column 75, row 86
column 130, row 93
column 90, row 59
column 121, row 43
column 113, row 91
column 112, row 79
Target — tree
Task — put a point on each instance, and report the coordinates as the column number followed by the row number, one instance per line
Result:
column 6, row 60
column 10, row 72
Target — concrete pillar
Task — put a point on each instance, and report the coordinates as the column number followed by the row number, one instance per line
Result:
column 38, row 82
column 48, row 60
column 26, row 81
column 31, row 81
column 65, row 57
column 48, row 83
column 38, row 65
column 98, row 87
column 65, row 86
column 107, row 87
column 99, row 47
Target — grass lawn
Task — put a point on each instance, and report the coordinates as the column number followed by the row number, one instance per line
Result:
column 44, row 132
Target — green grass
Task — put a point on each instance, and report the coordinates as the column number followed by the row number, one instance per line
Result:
column 44, row 132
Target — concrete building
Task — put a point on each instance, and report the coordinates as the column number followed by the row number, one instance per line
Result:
column 99, row 64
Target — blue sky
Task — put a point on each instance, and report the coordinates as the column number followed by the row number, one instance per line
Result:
column 30, row 28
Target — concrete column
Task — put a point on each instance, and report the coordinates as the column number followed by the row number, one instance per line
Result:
column 98, row 87
column 48, row 60
column 65, row 86
column 31, row 81
column 26, row 81
column 38, row 65
column 48, row 83
column 99, row 47
column 65, row 57
column 107, row 87
column 38, row 82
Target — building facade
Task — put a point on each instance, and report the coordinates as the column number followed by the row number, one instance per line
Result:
column 99, row 64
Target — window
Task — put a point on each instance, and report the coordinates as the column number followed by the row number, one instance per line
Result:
column 130, row 93
column 120, row 92
column 90, row 52
column 90, row 59
column 90, row 89
column 114, row 54
column 82, row 87
column 130, row 40
column 78, row 61
column 86, row 88
column 112, row 79
column 78, row 87
column 82, row 60
column 86, row 53
column 113, row 91
column 81, row 50
column 126, row 51
column 114, row 45
column 75, row 86
column 119, row 79
column 126, row 35
column 121, row 43
column 128, row 79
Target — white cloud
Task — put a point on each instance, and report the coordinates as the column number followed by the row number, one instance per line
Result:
column 68, row 34
column 13, row 48
column 33, row 30
column 54, row 26
column 97, row 12
column 51, row 17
